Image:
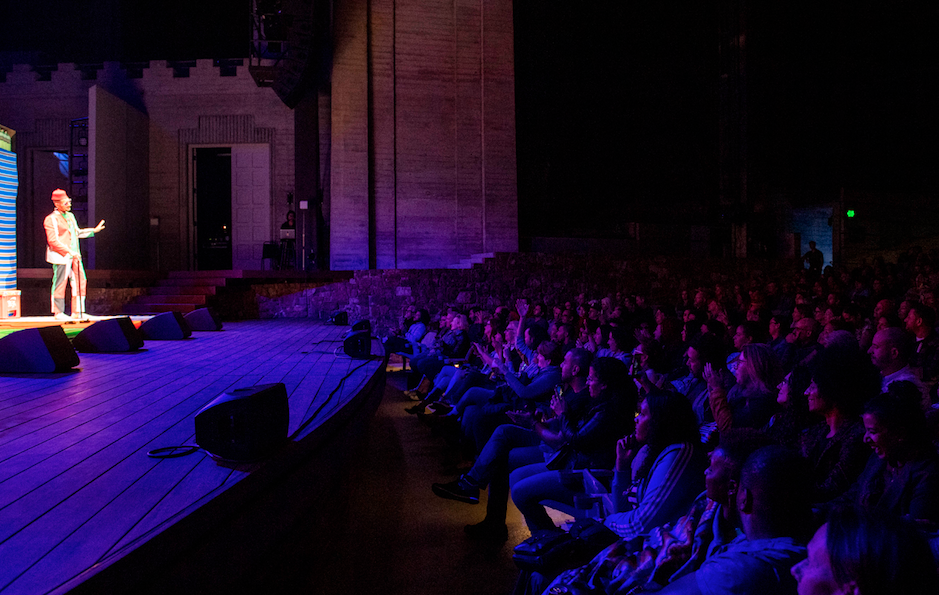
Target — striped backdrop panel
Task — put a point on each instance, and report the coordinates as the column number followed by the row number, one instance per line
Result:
column 8, row 184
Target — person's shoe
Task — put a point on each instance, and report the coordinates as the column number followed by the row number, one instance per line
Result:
column 460, row 490
column 414, row 395
column 439, row 408
column 63, row 316
column 415, row 409
column 488, row 531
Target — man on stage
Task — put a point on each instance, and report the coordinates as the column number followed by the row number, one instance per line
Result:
column 62, row 251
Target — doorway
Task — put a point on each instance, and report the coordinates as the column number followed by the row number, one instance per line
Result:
column 212, row 197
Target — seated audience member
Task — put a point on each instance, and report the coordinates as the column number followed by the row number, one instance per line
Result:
column 520, row 391
column 773, row 510
column 454, row 344
column 585, row 441
column 804, row 339
column 704, row 349
column 839, row 339
column 676, row 549
column 601, row 339
column 800, row 311
column 902, row 475
column 867, row 554
column 787, row 425
column 745, row 334
column 619, row 344
column 752, row 400
column 648, row 365
column 476, row 330
column 668, row 334
column 779, row 328
column 521, row 354
column 921, row 321
column 564, row 337
column 411, row 341
column 841, row 383
column 451, row 382
column 890, row 353
column 581, row 415
column 658, row 469
column 586, row 334
column 539, row 316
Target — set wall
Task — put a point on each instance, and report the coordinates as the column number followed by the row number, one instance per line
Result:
column 203, row 108
column 118, row 183
column 423, row 133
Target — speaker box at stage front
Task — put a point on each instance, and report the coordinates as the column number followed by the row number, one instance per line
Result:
column 362, row 325
column 112, row 335
column 37, row 351
column 245, row 424
column 339, row 318
column 203, row 319
column 358, row 345
column 168, row 326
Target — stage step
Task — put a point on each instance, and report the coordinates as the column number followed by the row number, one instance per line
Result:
column 184, row 290
column 473, row 260
column 138, row 308
column 233, row 274
column 171, row 299
column 181, row 291
column 189, row 281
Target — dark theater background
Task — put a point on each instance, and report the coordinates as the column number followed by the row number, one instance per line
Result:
column 638, row 111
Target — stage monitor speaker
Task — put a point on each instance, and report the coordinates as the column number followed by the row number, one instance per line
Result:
column 37, row 351
column 339, row 318
column 203, row 319
column 168, row 326
column 245, row 424
column 109, row 336
column 362, row 325
column 358, row 345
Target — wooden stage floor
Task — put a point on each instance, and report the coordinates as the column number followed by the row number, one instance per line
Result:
column 77, row 489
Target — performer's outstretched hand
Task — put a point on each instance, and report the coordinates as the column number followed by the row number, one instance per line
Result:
column 100, row 226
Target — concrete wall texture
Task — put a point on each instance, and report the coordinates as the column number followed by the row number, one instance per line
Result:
column 422, row 155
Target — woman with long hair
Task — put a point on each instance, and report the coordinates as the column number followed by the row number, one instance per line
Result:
column 787, row 424
column 842, row 382
column 902, row 474
column 659, row 468
column 752, row 400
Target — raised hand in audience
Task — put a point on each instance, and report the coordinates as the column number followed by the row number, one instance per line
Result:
column 521, row 306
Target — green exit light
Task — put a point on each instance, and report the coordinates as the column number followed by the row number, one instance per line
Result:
column 851, row 213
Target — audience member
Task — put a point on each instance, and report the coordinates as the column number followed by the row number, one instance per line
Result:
column 867, row 554
column 841, row 383
column 773, row 509
column 658, row 468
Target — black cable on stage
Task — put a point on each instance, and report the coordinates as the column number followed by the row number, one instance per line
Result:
column 173, row 452
column 330, row 396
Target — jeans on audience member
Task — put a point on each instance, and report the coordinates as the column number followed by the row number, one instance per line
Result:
column 480, row 421
column 530, row 485
column 509, row 448
column 473, row 396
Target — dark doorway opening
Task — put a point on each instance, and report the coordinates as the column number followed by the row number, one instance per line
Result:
column 212, row 194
